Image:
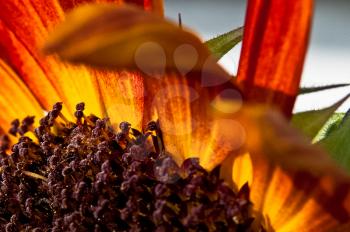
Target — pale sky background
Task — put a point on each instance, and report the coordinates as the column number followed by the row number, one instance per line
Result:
column 328, row 58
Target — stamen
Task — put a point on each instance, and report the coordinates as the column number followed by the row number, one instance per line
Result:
column 4, row 143
column 14, row 127
column 125, row 128
column 79, row 114
column 35, row 175
column 26, row 125
column 158, row 137
column 63, row 118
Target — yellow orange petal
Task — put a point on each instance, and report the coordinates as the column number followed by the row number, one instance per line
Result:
column 122, row 94
column 295, row 184
column 16, row 100
column 242, row 170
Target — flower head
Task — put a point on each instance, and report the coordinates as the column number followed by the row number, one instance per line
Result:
column 164, row 74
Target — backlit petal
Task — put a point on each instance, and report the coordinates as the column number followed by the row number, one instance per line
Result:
column 24, row 26
column 274, row 44
column 295, row 185
column 184, row 110
column 183, row 84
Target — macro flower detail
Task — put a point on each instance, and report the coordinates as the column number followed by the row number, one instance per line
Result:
column 165, row 140
column 81, row 177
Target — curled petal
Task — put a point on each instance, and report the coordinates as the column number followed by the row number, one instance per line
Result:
column 125, row 37
column 274, row 45
column 295, row 185
column 155, row 6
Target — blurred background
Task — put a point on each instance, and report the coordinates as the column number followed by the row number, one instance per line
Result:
column 328, row 57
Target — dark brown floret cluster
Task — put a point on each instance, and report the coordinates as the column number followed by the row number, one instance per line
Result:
column 84, row 176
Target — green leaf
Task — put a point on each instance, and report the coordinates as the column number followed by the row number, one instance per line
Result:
column 311, row 122
column 305, row 90
column 222, row 44
column 337, row 143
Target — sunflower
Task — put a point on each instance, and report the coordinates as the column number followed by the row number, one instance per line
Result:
column 194, row 107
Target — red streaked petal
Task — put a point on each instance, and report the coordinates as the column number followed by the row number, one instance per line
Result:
column 24, row 25
column 274, row 45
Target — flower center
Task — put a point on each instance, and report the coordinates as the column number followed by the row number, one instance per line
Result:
column 84, row 176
